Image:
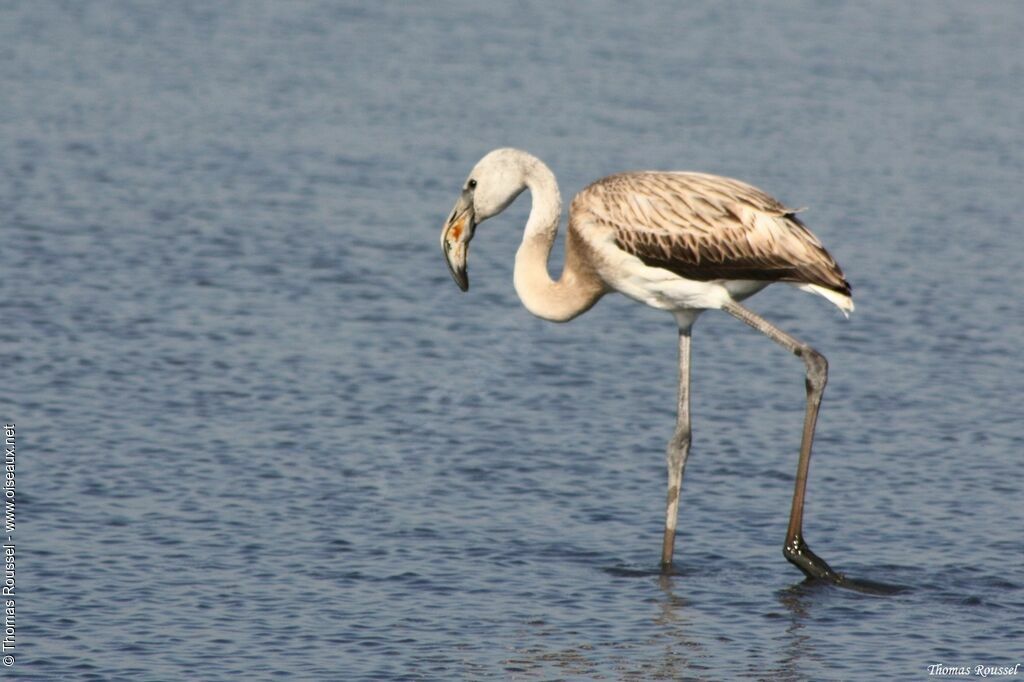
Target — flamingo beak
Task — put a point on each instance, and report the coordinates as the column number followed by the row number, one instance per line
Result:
column 455, row 237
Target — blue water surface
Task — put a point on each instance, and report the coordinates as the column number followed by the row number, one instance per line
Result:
column 262, row 435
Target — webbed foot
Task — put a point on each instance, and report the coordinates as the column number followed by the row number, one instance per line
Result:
column 800, row 555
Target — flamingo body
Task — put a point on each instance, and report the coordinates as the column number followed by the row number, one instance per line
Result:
column 681, row 242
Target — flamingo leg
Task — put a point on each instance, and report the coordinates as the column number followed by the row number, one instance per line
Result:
column 796, row 550
column 678, row 450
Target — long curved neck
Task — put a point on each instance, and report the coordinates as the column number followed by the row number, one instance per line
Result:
column 578, row 288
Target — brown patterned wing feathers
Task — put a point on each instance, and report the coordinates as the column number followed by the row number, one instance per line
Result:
column 705, row 227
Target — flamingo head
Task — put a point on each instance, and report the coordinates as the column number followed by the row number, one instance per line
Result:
column 495, row 181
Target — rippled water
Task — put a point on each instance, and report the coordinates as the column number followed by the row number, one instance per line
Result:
column 262, row 434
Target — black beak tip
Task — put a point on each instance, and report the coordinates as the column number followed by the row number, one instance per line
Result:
column 458, row 274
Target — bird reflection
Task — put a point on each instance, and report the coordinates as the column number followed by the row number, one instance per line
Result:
column 797, row 647
column 685, row 657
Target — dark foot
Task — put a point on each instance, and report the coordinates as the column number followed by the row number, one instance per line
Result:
column 800, row 555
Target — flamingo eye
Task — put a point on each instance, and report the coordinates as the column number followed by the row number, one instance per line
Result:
column 471, row 184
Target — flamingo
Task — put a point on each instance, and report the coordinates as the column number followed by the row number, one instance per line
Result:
column 678, row 241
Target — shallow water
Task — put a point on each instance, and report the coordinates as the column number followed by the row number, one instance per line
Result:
column 262, row 434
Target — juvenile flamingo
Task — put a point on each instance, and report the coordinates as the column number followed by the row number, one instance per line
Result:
column 682, row 242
